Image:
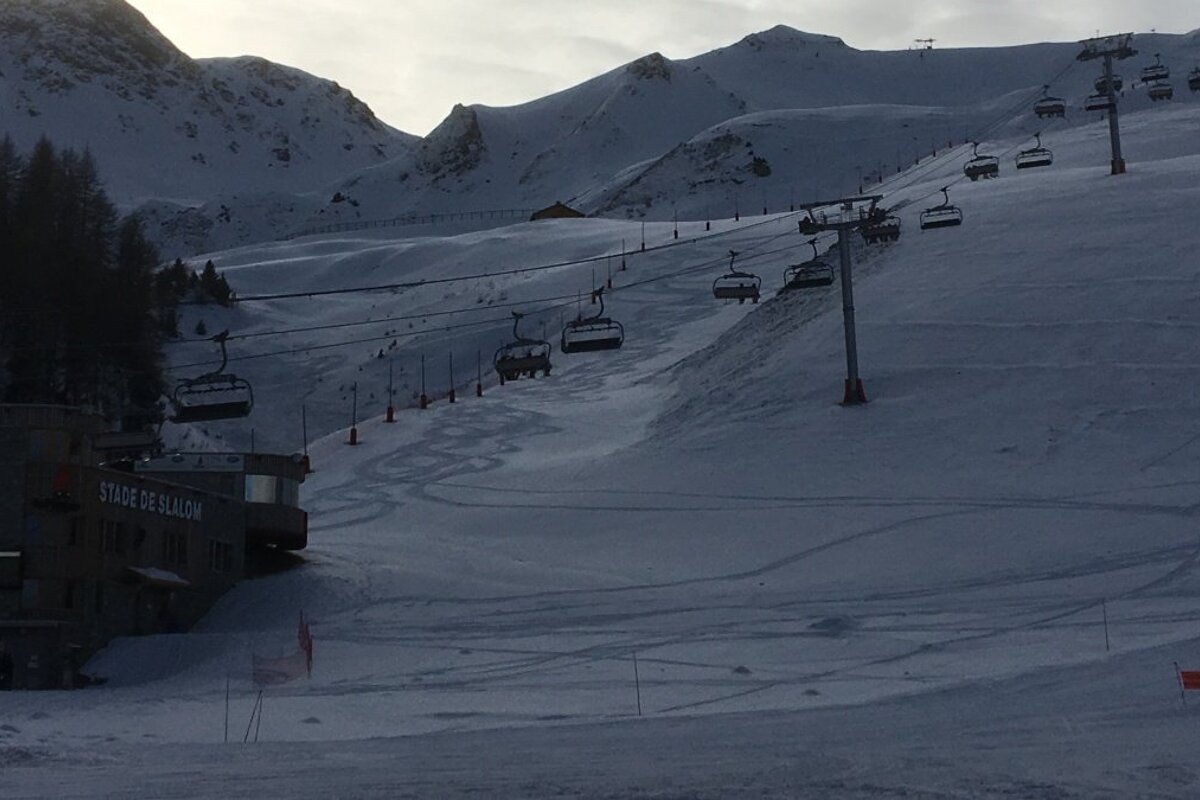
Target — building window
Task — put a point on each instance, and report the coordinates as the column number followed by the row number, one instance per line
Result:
column 71, row 595
column 99, row 597
column 76, row 531
column 272, row 489
column 31, row 590
column 174, row 551
column 262, row 489
column 10, row 569
column 112, row 537
column 220, row 556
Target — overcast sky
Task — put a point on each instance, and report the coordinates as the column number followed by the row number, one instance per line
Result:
column 412, row 60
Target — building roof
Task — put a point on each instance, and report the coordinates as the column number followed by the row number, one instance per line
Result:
column 557, row 211
column 161, row 578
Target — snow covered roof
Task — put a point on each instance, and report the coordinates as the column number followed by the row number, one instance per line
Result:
column 162, row 578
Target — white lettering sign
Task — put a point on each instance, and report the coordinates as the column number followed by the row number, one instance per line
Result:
column 161, row 503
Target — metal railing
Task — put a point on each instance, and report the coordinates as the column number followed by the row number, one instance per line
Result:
column 510, row 214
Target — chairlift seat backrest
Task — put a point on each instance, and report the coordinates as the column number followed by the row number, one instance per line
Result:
column 587, row 334
column 214, row 396
column 1161, row 91
column 521, row 355
column 1034, row 157
column 595, row 333
column 1050, row 107
column 1157, row 71
column 886, row 228
column 737, row 286
column 211, row 412
column 1097, row 102
column 982, row 167
column 807, row 275
column 941, row 217
column 210, row 398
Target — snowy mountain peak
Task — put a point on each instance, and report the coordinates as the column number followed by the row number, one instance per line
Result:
column 58, row 45
column 783, row 36
column 651, row 67
column 455, row 146
column 97, row 74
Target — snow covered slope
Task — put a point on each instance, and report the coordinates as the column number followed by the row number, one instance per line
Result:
column 223, row 152
column 710, row 132
column 97, row 74
column 945, row 557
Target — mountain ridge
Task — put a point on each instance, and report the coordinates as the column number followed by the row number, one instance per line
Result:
column 222, row 152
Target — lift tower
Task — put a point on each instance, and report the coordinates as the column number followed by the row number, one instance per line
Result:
column 1109, row 48
column 851, row 214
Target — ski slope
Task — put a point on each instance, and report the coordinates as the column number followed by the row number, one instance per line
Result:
column 907, row 598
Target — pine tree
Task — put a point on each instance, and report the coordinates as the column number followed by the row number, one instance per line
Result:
column 138, row 331
column 80, row 320
column 11, row 169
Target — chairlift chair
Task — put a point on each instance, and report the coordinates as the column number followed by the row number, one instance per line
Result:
column 1097, row 102
column 521, row 356
column 1161, row 90
column 737, row 285
column 1049, row 106
column 1157, row 71
column 213, row 396
column 880, row 226
column 1101, row 84
column 943, row 215
column 981, row 166
column 811, row 274
column 1194, row 80
column 588, row 334
column 1036, row 156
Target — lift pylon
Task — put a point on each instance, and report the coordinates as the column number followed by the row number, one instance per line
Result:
column 851, row 214
column 1116, row 47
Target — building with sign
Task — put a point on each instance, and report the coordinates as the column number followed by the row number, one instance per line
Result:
column 92, row 548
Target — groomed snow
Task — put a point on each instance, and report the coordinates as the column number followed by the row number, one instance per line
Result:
column 901, row 599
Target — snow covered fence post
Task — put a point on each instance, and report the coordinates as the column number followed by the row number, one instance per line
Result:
column 255, row 712
column 304, row 434
column 451, row 395
column 391, row 408
column 637, row 682
column 478, row 373
column 424, row 397
column 1104, row 610
column 354, row 415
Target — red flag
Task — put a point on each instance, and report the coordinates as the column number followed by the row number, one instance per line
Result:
column 1189, row 679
